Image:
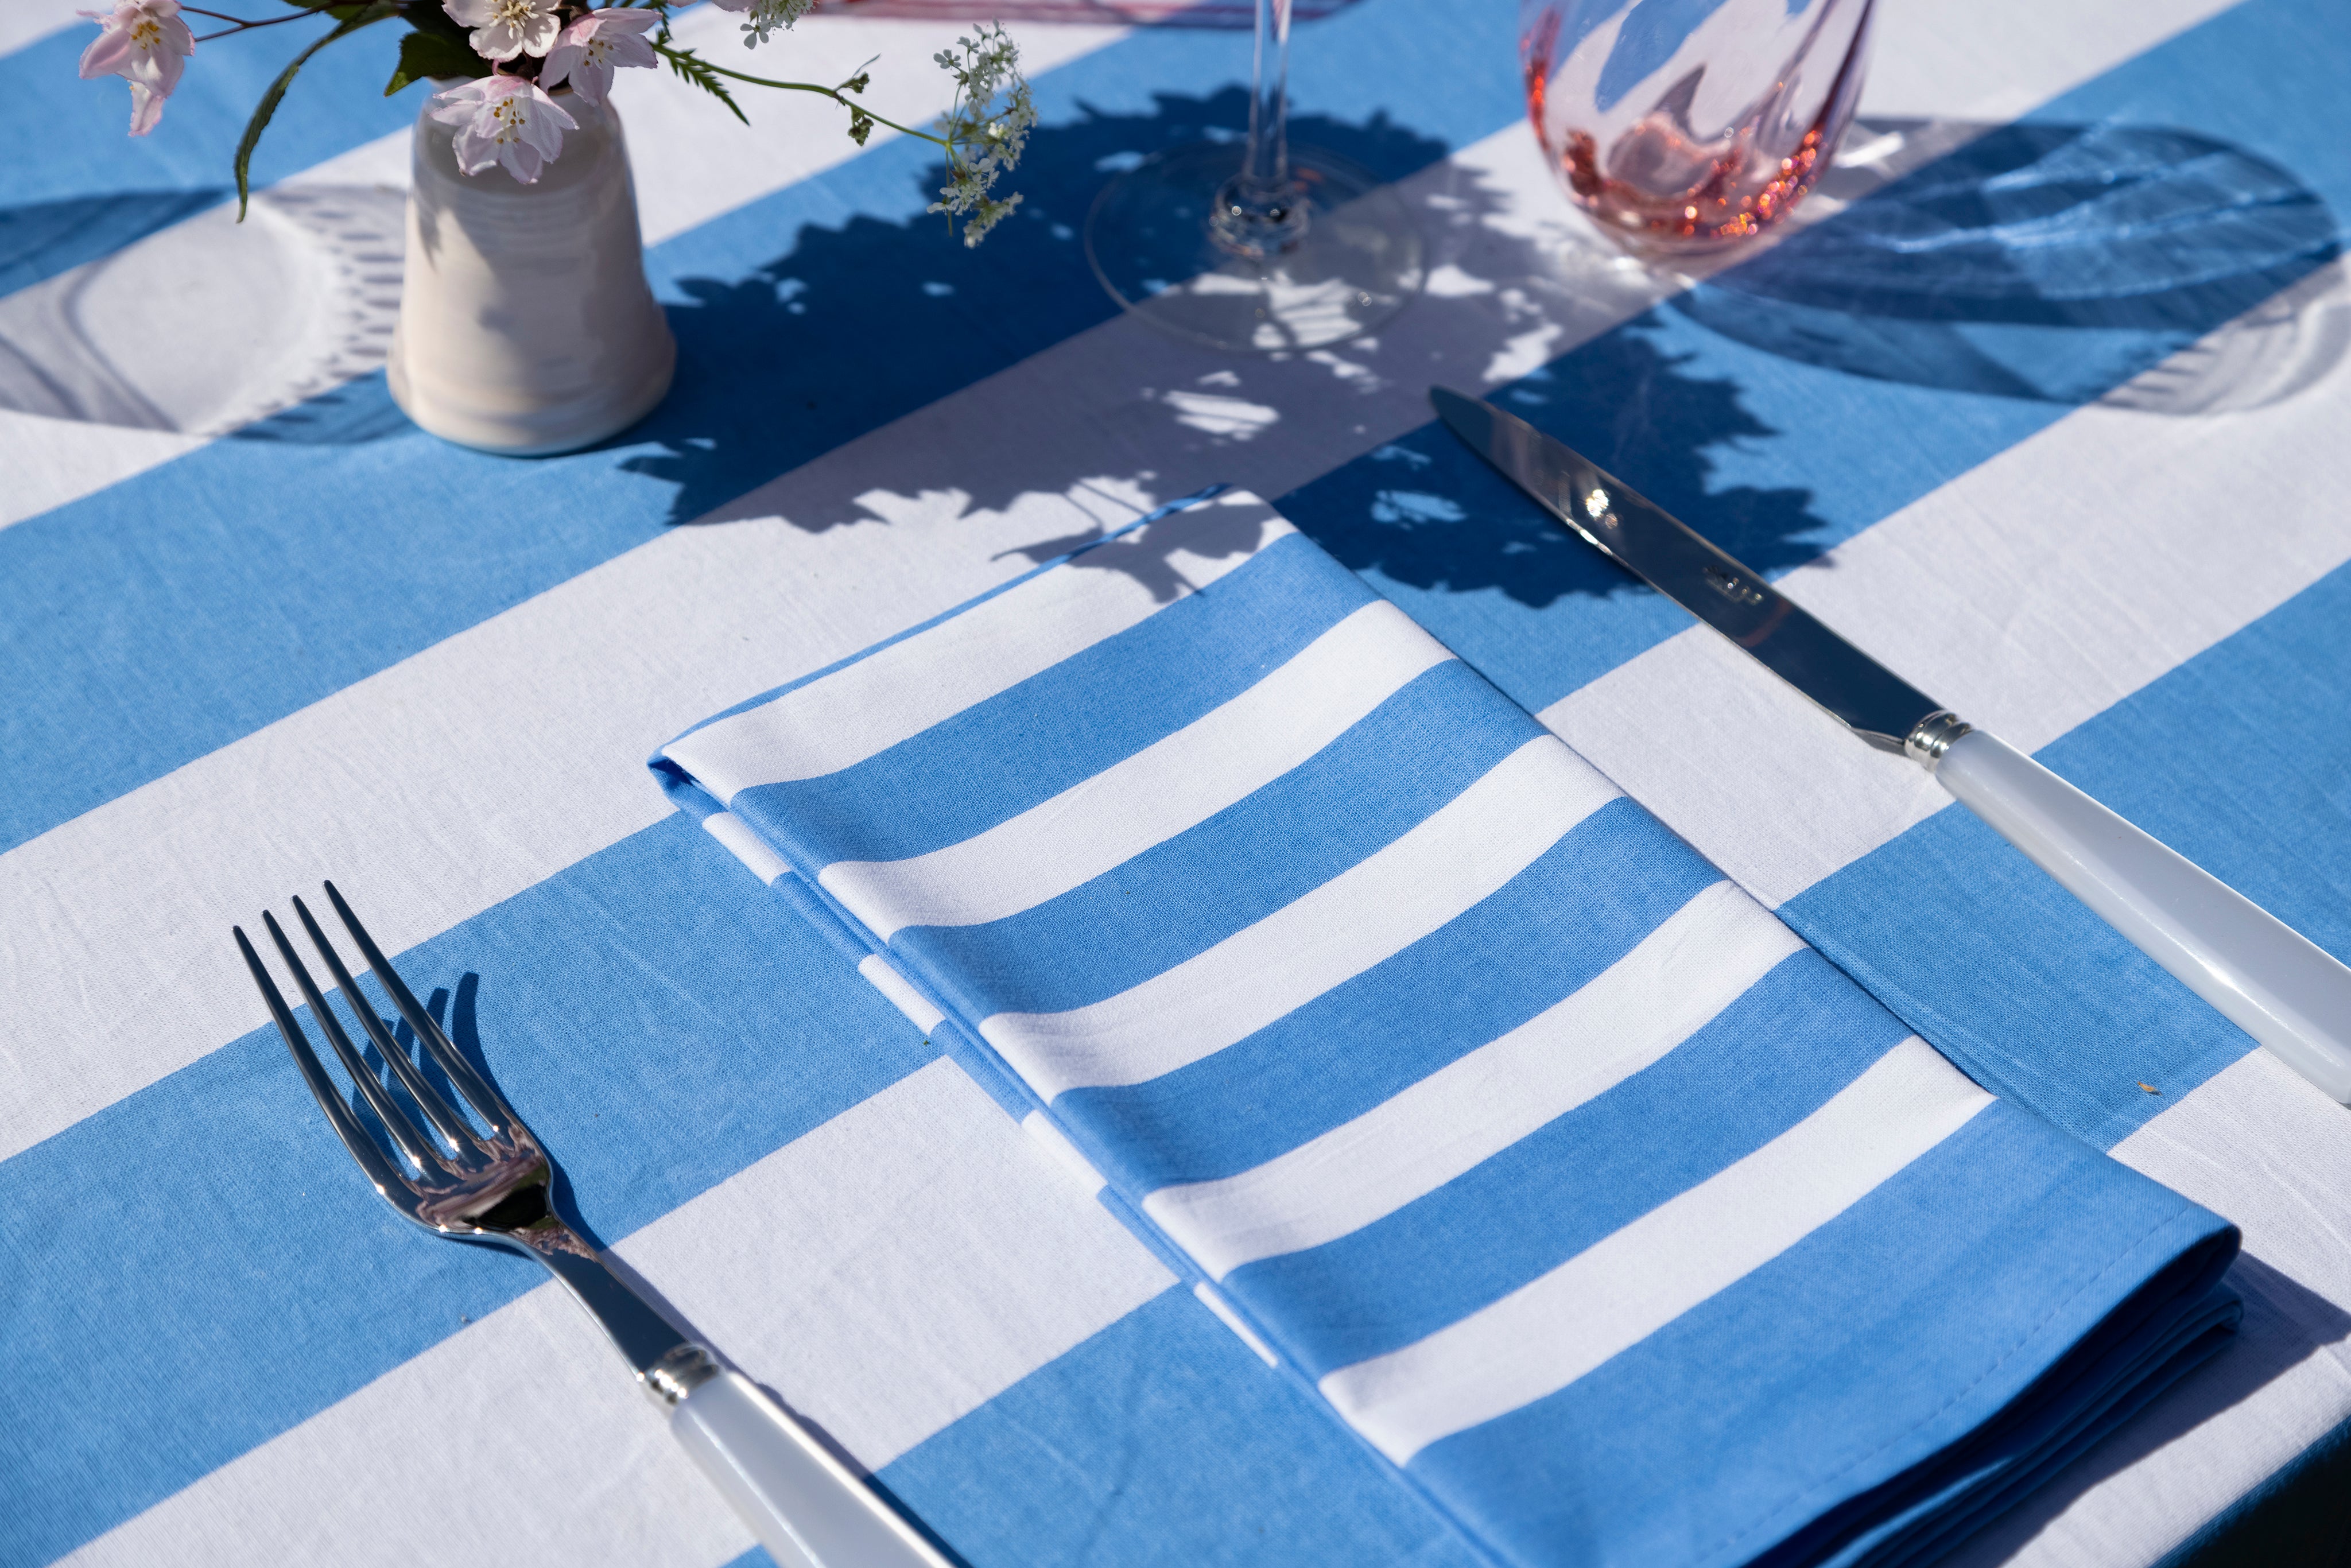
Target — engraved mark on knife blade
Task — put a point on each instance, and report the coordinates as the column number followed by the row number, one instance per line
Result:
column 1734, row 587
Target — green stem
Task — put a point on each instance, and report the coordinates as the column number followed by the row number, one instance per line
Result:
column 831, row 92
column 239, row 24
column 375, row 11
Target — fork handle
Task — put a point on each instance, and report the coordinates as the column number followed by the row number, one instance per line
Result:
column 808, row 1509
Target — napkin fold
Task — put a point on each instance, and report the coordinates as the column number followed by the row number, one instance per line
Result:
column 1617, row 1219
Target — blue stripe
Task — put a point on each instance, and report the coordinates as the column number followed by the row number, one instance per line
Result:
column 1766, row 1062
column 1162, row 1440
column 2237, row 759
column 1581, row 905
column 256, row 576
column 91, row 188
column 1811, row 423
column 1874, row 1343
column 1044, row 735
column 660, row 1020
column 1439, row 735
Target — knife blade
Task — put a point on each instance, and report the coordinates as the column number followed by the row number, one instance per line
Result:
column 2260, row 974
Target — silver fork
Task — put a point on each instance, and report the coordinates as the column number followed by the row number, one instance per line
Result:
column 807, row 1508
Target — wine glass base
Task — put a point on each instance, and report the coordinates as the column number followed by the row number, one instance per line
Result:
column 1151, row 240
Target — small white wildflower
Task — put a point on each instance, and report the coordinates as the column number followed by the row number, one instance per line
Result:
column 766, row 16
column 987, row 129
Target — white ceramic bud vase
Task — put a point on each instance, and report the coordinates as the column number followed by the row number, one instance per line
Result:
column 526, row 324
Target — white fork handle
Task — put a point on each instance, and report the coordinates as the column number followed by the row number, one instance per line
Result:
column 2262, row 975
column 808, row 1509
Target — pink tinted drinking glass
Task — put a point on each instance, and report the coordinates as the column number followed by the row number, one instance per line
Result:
column 1687, row 126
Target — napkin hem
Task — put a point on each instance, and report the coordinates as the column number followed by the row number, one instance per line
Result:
column 2188, row 1218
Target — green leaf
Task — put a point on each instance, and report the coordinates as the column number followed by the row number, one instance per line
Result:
column 424, row 55
column 696, row 69
column 373, row 12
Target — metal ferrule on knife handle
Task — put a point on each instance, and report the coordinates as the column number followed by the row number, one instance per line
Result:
column 1932, row 736
column 2257, row 972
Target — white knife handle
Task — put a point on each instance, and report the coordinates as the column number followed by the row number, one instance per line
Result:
column 2262, row 976
column 808, row 1509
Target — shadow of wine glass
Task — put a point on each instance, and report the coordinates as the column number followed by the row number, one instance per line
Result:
column 2060, row 263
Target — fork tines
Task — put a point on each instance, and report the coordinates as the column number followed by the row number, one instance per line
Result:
column 457, row 1151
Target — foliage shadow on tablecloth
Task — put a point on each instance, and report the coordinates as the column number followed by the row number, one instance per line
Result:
column 905, row 315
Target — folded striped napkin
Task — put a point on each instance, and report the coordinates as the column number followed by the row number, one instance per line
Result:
column 1621, row 1223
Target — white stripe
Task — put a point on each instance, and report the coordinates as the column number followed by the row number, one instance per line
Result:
column 746, row 845
column 26, row 22
column 907, row 688
column 1462, row 854
column 887, row 1273
column 1551, row 1331
column 1699, row 961
column 1141, row 801
column 901, row 994
column 1232, row 1320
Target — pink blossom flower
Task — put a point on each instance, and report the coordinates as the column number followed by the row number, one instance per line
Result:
column 592, row 46
column 505, row 28
column 145, row 44
column 504, row 121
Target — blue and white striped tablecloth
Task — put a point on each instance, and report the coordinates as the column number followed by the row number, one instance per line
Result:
column 2054, row 425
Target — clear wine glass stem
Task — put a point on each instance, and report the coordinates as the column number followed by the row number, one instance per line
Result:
column 1266, row 247
column 1268, row 144
column 1258, row 212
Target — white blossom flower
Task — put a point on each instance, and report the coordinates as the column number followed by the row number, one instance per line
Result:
column 505, row 120
column 592, row 46
column 985, row 136
column 505, row 28
column 145, row 44
column 766, row 16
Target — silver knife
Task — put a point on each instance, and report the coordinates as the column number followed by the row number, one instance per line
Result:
column 2259, row 973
